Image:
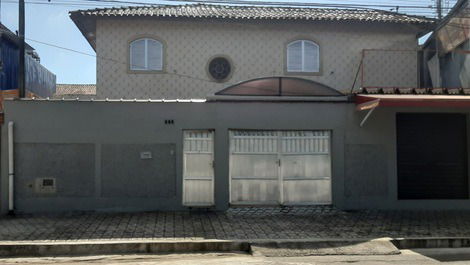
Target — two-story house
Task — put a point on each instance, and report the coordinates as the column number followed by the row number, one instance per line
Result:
column 213, row 106
column 193, row 51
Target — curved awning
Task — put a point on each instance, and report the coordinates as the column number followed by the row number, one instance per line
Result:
column 370, row 102
column 280, row 87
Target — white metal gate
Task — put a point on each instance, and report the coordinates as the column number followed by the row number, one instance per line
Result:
column 280, row 167
column 198, row 171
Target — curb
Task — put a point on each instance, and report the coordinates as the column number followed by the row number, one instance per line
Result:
column 41, row 249
column 106, row 248
column 432, row 242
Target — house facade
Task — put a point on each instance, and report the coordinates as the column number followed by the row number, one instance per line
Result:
column 254, row 41
column 214, row 107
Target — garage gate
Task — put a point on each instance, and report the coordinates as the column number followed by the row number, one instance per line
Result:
column 432, row 156
column 280, row 167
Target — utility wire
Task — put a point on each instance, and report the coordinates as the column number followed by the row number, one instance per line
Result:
column 305, row 4
column 410, row 10
column 254, row 3
column 106, row 4
column 114, row 60
column 71, row 4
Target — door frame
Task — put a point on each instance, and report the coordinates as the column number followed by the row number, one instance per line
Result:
column 212, row 133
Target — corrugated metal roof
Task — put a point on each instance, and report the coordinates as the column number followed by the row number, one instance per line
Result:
column 254, row 12
column 5, row 32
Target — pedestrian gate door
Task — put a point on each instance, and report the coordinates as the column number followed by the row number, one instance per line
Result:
column 198, row 171
column 280, row 167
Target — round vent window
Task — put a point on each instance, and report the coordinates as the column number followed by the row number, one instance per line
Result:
column 220, row 68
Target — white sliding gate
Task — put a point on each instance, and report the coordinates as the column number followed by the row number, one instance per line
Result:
column 280, row 167
column 198, row 170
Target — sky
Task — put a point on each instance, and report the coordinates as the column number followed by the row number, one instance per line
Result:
column 49, row 22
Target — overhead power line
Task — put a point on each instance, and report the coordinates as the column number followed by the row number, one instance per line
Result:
column 420, row 10
column 113, row 60
column 243, row 2
column 282, row 3
column 63, row 3
column 303, row 4
column 410, row 7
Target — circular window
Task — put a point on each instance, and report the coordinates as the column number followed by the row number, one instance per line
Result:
column 219, row 68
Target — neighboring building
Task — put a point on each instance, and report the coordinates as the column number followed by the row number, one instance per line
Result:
column 40, row 82
column 75, row 91
column 193, row 51
column 446, row 59
column 278, row 125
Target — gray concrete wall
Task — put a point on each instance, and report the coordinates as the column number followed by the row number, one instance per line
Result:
column 379, row 134
column 60, row 138
column 72, row 166
column 125, row 174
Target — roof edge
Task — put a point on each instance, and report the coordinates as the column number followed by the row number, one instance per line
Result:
column 82, row 12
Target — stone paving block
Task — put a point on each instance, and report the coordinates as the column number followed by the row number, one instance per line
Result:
column 237, row 223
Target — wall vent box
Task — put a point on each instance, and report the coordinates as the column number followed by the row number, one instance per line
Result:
column 146, row 155
column 45, row 185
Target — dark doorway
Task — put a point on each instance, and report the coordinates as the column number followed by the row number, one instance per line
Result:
column 432, row 156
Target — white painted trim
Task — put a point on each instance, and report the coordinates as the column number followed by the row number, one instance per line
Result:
column 367, row 116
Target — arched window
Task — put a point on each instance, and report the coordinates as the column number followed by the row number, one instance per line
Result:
column 146, row 55
column 303, row 56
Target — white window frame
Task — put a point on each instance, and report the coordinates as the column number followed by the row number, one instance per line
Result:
column 146, row 68
column 303, row 70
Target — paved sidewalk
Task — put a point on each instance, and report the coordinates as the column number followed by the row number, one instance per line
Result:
column 236, row 224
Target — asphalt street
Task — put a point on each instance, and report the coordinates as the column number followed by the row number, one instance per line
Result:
column 415, row 256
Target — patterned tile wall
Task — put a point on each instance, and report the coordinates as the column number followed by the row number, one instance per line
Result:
column 390, row 68
column 256, row 50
